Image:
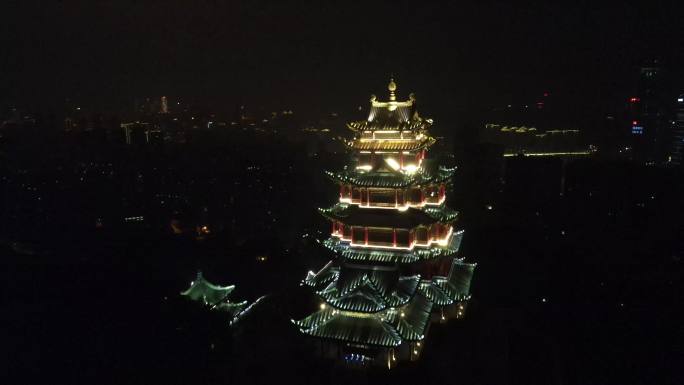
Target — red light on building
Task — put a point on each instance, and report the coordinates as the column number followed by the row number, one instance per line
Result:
column 634, row 100
column 634, row 122
column 546, row 94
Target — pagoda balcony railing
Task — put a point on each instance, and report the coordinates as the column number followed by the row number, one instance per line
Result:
column 394, row 206
column 369, row 239
column 400, row 199
column 390, row 135
column 402, row 160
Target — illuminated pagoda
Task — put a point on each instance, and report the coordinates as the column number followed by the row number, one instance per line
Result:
column 216, row 298
column 394, row 241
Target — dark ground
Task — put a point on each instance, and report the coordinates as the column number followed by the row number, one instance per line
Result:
column 579, row 288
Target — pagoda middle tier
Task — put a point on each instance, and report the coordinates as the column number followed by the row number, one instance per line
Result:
column 394, row 241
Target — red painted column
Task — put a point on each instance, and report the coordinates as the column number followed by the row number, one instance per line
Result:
column 341, row 190
column 333, row 227
column 365, row 234
column 394, row 237
column 352, row 234
column 401, row 160
column 396, row 198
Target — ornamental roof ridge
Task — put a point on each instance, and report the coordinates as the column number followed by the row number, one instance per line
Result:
column 392, row 88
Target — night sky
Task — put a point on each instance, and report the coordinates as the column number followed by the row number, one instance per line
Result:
column 318, row 57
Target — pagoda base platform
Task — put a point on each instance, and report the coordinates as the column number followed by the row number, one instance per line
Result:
column 362, row 356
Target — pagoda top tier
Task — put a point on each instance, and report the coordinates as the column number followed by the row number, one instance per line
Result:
column 392, row 114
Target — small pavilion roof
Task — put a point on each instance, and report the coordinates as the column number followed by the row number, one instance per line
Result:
column 216, row 298
column 204, row 291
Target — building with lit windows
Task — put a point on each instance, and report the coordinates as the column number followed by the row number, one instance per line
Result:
column 394, row 243
column 678, row 133
column 649, row 115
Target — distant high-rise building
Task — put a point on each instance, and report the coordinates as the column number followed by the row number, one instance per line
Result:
column 648, row 115
column 678, row 133
column 136, row 133
column 164, row 106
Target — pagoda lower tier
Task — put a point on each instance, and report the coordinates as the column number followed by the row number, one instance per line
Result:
column 379, row 314
column 391, row 229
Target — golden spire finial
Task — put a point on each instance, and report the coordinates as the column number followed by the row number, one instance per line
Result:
column 392, row 86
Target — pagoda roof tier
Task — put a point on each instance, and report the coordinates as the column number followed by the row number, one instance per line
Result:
column 346, row 252
column 353, row 215
column 204, row 291
column 243, row 309
column 454, row 288
column 389, row 328
column 392, row 144
column 328, row 273
column 369, row 291
column 418, row 125
column 391, row 179
column 393, row 112
column 356, row 328
column 411, row 321
column 233, row 309
column 441, row 213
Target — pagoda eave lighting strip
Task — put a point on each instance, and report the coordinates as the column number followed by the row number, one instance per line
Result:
column 440, row 242
column 398, row 208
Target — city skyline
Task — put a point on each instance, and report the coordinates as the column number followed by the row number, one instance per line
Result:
column 109, row 53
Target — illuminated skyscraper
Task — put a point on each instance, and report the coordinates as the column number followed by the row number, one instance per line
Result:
column 164, row 108
column 394, row 243
column 678, row 133
column 649, row 115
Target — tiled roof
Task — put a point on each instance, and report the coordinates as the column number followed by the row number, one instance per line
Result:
column 204, row 291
